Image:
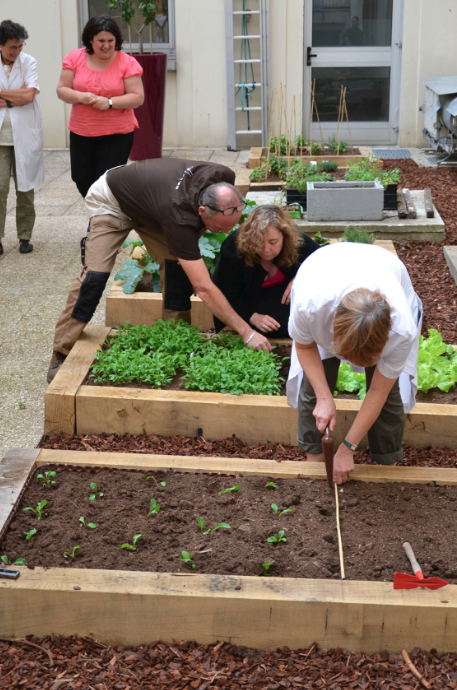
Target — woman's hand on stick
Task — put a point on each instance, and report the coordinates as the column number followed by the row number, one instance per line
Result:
column 264, row 323
column 285, row 299
column 343, row 464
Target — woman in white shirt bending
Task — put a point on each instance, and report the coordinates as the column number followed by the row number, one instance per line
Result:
column 356, row 303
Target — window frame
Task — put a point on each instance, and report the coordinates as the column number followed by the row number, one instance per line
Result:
column 169, row 48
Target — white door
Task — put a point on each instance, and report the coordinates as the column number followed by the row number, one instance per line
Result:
column 357, row 44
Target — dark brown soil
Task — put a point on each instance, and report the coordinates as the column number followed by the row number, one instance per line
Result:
column 375, row 520
column 84, row 664
column 225, row 448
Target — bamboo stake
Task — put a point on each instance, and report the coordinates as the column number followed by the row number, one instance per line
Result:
column 347, row 118
column 270, row 125
column 295, row 126
column 338, row 135
column 310, row 120
column 301, row 125
column 317, row 113
column 340, row 542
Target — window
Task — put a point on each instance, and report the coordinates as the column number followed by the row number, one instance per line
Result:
column 160, row 33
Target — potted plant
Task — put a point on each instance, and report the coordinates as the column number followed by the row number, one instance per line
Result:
column 299, row 176
column 147, row 142
column 368, row 170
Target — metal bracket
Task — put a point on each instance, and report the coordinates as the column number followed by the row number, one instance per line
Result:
column 309, row 55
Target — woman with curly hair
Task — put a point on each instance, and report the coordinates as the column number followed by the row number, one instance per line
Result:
column 257, row 267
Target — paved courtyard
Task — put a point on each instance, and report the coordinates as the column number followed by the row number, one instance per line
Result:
column 34, row 288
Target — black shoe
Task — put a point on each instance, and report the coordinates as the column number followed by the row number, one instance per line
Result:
column 25, row 247
column 1, row 247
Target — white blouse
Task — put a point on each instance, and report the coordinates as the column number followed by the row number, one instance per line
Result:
column 323, row 280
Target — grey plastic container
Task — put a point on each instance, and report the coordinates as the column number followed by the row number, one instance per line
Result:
column 341, row 200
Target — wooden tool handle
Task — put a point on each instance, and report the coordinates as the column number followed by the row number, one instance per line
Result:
column 417, row 570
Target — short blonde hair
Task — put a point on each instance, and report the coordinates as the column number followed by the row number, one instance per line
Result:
column 251, row 235
column 361, row 326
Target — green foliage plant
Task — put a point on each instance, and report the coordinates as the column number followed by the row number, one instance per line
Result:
column 320, row 239
column 133, row 270
column 277, row 539
column 39, row 510
column 327, row 166
column 30, row 534
column 128, row 9
column 151, row 476
column 266, row 568
column 357, row 235
column 21, row 405
column 335, row 146
column 201, row 524
column 92, row 525
column 96, row 494
column 368, row 169
column 48, row 478
column 132, row 547
column 71, row 554
column 276, row 511
column 271, row 485
column 154, row 507
column 230, row 490
column 185, row 557
column 282, row 144
column 18, row 561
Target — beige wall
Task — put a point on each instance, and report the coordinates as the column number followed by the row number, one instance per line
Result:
column 429, row 50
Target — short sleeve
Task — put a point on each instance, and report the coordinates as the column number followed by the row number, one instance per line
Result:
column 70, row 60
column 130, row 67
column 299, row 323
column 392, row 364
column 31, row 74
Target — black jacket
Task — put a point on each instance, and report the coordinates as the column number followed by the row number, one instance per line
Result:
column 242, row 284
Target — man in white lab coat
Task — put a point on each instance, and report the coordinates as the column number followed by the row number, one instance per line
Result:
column 21, row 131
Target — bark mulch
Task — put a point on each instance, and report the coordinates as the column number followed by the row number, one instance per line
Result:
column 425, row 260
column 74, row 663
column 227, row 448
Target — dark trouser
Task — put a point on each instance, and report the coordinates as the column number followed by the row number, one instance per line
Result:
column 92, row 156
column 384, row 437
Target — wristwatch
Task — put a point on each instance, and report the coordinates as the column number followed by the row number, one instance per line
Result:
column 110, row 102
column 350, row 445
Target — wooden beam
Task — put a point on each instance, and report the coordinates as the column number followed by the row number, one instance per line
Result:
column 59, row 398
column 289, row 469
column 410, row 206
column 255, row 157
column 15, row 468
column 429, row 208
column 242, row 181
column 401, row 204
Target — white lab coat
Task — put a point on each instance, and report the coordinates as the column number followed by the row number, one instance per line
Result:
column 321, row 282
column 26, row 124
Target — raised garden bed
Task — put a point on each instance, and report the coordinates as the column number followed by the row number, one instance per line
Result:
column 258, row 155
column 146, row 307
column 250, row 610
column 73, row 407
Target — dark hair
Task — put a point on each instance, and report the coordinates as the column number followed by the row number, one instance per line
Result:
column 9, row 29
column 102, row 22
column 210, row 196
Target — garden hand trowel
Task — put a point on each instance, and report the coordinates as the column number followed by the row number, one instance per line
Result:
column 404, row 581
column 328, row 448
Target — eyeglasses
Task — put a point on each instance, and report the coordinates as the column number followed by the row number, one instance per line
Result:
column 229, row 211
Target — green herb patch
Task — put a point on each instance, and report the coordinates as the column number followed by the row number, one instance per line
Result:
column 156, row 354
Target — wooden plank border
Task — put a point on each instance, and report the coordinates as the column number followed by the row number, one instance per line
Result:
column 263, row 613
column 256, row 157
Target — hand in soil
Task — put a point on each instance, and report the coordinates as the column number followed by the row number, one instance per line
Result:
column 343, row 464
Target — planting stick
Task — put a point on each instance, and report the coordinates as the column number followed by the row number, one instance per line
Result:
column 310, row 119
column 338, row 135
column 295, row 126
column 347, row 118
column 338, row 528
column 317, row 115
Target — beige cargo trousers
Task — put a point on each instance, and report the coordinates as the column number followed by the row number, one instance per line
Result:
column 105, row 237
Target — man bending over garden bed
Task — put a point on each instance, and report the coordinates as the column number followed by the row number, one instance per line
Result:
column 169, row 202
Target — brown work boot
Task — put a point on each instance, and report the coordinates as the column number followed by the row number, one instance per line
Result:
column 57, row 360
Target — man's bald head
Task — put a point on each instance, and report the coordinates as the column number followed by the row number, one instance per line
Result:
column 220, row 195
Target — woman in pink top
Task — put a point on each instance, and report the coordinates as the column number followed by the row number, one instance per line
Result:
column 103, row 84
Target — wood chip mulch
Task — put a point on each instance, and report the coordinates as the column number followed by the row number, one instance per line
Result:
column 73, row 663
column 226, row 448
column 425, row 260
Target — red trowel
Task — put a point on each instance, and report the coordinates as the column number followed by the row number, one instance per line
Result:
column 404, row 581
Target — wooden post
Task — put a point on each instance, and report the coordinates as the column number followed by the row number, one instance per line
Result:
column 429, row 209
column 411, row 208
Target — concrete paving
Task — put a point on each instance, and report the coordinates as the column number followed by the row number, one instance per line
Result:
column 34, row 289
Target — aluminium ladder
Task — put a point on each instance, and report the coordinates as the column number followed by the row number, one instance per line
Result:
column 242, row 90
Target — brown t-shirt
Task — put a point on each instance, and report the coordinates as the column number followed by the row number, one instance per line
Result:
column 161, row 195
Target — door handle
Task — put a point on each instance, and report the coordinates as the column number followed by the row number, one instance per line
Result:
column 309, row 55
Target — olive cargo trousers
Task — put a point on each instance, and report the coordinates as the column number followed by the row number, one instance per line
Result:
column 106, row 236
column 384, row 437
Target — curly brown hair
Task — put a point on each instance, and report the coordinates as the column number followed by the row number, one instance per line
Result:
column 251, row 235
column 361, row 326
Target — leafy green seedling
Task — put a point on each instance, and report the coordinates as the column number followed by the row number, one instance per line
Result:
column 185, row 557
column 278, row 514
column 21, row 405
column 29, row 535
column 48, row 478
column 70, row 554
column 271, row 485
column 18, row 561
column 39, row 510
column 266, row 568
column 92, row 525
column 132, row 547
column 277, row 539
column 151, row 476
column 201, row 524
column 228, row 491
column 96, row 493
column 154, row 507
